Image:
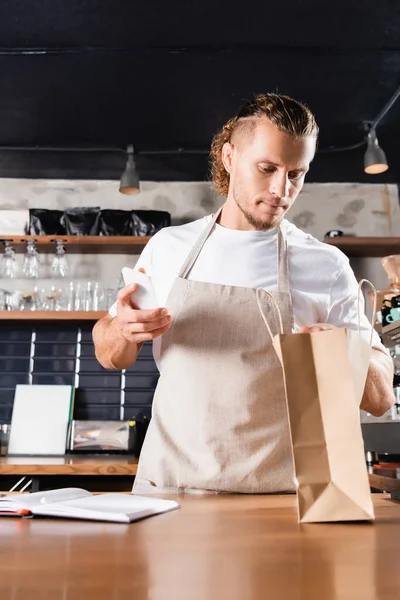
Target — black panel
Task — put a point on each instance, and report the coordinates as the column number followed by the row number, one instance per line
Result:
column 56, row 350
column 146, row 351
column 143, row 365
column 10, row 380
column 383, row 438
column 138, row 381
column 16, row 365
column 5, row 413
column 125, row 24
column 91, row 365
column 99, row 392
column 85, row 396
column 100, row 380
column 53, row 365
column 87, row 350
column 56, row 379
column 141, row 397
column 97, row 413
column 167, row 75
column 15, row 334
column 87, row 334
column 7, row 396
column 130, row 412
column 17, row 350
column 51, row 334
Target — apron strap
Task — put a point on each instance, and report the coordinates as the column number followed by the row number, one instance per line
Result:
column 283, row 262
column 197, row 248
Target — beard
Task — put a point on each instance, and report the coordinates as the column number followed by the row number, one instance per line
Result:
column 258, row 223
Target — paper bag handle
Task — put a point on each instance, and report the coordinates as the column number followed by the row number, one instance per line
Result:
column 258, row 295
column 374, row 307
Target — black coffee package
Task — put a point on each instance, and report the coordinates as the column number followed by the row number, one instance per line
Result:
column 43, row 221
column 116, row 222
column 148, row 222
column 82, row 220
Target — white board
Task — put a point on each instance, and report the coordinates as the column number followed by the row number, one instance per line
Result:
column 40, row 419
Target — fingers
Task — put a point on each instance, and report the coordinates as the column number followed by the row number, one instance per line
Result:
column 148, row 326
column 150, row 335
column 125, row 293
column 315, row 328
column 152, row 314
column 136, row 315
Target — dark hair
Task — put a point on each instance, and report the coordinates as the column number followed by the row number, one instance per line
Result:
column 287, row 114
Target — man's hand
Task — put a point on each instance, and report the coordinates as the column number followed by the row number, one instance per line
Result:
column 315, row 328
column 136, row 325
column 378, row 395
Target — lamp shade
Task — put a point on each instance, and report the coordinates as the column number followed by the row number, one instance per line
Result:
column 130, row 183
column 375, row 161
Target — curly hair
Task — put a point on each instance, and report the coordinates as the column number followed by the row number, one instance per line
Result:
column 287, row 114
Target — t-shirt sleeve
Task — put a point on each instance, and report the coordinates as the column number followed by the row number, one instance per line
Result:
column 145, row 261
column 343, row 309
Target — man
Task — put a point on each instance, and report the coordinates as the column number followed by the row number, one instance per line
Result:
column 219, row 420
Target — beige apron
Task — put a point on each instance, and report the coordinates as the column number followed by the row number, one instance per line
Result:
column 219, row 419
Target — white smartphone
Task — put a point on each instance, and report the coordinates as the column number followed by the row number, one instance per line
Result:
column 144, row 297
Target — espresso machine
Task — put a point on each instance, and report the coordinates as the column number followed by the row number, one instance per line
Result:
column 382, row 434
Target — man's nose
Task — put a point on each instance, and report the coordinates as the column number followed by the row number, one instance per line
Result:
column 279, row 185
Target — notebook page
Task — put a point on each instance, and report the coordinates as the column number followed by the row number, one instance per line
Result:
column 103, row 506
column 28, row 501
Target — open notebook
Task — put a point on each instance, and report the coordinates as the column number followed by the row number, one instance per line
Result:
column 76, row 503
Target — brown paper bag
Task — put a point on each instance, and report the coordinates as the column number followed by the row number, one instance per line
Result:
column 324, row 375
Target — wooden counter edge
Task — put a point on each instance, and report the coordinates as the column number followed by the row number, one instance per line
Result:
column 113, row 469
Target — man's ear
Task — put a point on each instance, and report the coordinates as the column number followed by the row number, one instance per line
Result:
column 227, row 156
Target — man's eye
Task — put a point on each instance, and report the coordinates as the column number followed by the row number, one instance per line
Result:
column 295, row 175
column 266, row 169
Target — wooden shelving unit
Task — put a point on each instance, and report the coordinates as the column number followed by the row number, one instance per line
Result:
column 68, row 465
column 90, row 244
column 48, row 315
column 366, row 246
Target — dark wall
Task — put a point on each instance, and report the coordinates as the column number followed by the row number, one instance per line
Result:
column 64, row 355
column 167, row 75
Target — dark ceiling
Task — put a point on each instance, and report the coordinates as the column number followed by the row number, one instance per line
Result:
column 166, row 75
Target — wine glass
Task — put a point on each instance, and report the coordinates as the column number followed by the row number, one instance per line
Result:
column 8, row 266
column 59, row 266
column 30, row 268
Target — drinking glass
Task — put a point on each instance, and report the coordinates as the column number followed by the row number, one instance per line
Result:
column 53, row 299
column 59, row 265
column 70, row 296
column 97, row 297
column 8, row 266
column 30, row 268
column 30, row 300
column 110, row 297
column 87, row 303
column 3, row 303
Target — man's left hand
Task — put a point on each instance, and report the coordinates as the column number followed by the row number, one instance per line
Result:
column 315, row 328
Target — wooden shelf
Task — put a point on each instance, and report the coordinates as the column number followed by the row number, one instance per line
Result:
column 68, row 465
column 85, row 244
column 49, row 315
column 366, row 246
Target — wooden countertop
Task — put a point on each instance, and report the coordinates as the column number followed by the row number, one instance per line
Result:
column 215, row 547
column 68, row 465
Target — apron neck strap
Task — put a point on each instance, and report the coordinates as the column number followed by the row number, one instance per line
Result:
column 197, row 248
column 283, row 260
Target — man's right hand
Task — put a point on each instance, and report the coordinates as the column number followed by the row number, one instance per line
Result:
column 136, row 325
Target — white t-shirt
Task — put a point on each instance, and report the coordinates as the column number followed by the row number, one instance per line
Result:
column 323, row 285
